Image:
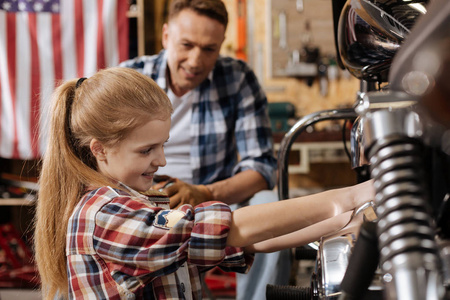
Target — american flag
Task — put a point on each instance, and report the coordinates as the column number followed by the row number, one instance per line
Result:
column 41, row 43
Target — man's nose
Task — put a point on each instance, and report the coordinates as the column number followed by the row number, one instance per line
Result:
column 195, row 58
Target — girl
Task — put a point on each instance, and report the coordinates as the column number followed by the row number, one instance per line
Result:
column 103, row 233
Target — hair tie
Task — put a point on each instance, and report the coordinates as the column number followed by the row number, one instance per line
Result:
column 80, row 81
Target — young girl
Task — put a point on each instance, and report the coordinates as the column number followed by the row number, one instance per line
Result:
column 103, row 233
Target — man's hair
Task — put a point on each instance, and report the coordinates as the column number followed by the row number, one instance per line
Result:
column 214, row 9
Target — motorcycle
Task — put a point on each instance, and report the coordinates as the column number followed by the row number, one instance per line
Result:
column 400, row 137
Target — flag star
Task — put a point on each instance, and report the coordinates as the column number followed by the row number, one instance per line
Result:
column 38, row 6
column 55, row 7
column 46, row 1
column 6, row 6
column 22, row 6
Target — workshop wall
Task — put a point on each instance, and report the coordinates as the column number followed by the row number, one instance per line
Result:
column 266, row 56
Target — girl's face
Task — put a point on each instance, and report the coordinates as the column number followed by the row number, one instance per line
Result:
column 135, row 159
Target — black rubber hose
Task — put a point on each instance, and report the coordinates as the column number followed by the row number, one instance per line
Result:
column 362, row 264
column 287, row 292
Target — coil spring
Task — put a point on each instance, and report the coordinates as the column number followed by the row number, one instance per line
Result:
column 404, row 222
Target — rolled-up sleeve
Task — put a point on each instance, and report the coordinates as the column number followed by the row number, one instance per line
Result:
column 253, row 130
column 136, row 238
column 209, row 237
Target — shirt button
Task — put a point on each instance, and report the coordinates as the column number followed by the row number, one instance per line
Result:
column 182, row 287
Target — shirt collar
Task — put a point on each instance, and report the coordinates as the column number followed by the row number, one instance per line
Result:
column 149, row 195
column 130, row 190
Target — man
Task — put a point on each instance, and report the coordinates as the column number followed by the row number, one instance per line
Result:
column 220, row 145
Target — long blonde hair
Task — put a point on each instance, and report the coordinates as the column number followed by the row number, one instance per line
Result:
column 106, row 106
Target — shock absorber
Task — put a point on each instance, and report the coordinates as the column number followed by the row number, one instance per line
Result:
column 409, row 257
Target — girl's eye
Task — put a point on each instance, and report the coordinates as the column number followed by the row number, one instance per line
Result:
column 146, row 151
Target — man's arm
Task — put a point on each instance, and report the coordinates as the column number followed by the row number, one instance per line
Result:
column 238, row 188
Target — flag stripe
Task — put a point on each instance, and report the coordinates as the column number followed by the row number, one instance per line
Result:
column 49, row 43
column 69, row 20
column 79, row 37
column 56, row 43
column 100, row 38
column 35, row 85
column 90, row 37
column 110, row 37
column 11, row 62
column 2, row 72
column 43, row 43
column 122, row 31
column 23, row 83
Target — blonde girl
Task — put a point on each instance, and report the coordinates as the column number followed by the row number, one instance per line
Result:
column 101, row 232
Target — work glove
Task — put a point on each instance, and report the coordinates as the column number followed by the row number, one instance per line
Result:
column 181, row 192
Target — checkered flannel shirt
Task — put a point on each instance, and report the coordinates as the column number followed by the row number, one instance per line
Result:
column 229, row 120
column 123, row 245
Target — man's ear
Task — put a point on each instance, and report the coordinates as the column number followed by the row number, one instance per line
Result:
column 165, row 35
column 98, row 150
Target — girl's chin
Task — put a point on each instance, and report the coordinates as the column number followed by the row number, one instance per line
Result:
column 141, row 187
column 145, row 188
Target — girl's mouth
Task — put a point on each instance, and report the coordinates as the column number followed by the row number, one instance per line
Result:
column 148, row 175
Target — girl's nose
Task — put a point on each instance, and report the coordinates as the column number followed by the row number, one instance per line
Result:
column 160, row 159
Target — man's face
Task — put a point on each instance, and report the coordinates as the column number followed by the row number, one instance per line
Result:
column 193, row 43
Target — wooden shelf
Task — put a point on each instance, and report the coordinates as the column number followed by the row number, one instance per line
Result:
column 16, row 202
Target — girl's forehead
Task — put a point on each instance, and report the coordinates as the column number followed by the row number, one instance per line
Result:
column 154, row 131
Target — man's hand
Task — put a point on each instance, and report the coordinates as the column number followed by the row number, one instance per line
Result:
column 181, row 192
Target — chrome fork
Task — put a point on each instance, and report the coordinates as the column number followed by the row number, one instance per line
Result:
column 409, row 257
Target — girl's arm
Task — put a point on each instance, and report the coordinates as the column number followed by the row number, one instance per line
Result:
column 306, row 235
column 257, row 223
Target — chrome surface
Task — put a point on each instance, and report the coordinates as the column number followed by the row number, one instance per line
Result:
column 293, row 133
column 358, row 158
column 444, row 249
column 334, row 253
column 334, row 256
column 393, row 143
column 371, row 32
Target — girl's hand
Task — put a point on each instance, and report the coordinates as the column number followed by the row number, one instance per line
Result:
column 363, row 193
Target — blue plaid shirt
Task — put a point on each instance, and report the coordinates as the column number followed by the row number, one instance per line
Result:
column 229, row 120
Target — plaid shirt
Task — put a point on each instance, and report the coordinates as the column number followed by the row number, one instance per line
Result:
column 229, row 118
column 124, row 245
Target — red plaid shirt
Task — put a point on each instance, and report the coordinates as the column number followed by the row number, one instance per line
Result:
column 124, row 245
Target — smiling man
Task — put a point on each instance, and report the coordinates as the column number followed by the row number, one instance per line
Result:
column 220, row 144
column 192, row 49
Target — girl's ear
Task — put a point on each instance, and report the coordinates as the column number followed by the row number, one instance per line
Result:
column 98, row 150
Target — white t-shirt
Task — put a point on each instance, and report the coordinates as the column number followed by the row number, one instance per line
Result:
column 178, row 148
